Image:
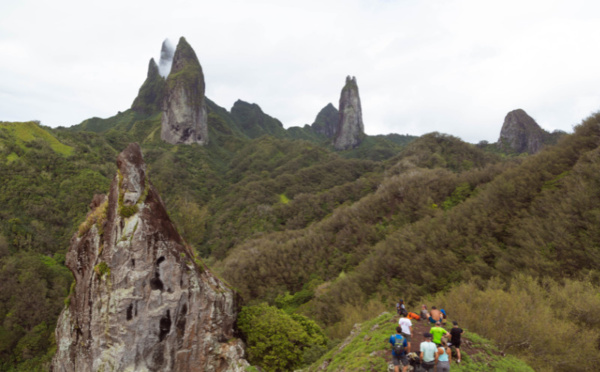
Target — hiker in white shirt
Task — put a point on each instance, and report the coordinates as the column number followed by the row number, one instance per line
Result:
column 406, row 326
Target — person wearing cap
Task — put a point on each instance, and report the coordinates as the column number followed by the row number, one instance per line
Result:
column 428, row 353
column 455, row 334
column 437, row 333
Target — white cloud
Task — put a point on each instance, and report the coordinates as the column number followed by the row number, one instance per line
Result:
column 455, row 66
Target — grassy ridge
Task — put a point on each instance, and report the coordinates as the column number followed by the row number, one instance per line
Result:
column 22, row 133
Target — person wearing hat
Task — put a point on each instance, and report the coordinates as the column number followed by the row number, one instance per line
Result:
column 455, row 334
column 437, row 333
column 428, row 353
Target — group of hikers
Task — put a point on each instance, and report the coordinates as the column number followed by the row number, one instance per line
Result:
column 434, row 351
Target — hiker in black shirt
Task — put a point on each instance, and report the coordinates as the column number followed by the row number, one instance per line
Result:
column 455, row 333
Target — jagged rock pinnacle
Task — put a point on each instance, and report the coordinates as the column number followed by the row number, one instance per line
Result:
column 520, row 133
column 184, row 118
column 350, row 130
column 151, row 94
column 141, row 302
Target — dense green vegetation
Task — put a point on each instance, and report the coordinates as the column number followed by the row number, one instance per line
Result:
column 278, row 341
column 317, row 236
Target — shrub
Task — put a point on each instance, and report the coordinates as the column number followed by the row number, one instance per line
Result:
column 277, row 341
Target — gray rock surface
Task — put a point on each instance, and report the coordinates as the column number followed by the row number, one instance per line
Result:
column 350, row 130
column 141, row 302
column 520, row 133
column 184, row 118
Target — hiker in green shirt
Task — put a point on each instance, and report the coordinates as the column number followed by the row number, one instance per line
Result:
column 438, row 332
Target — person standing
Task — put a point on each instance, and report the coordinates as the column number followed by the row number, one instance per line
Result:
column 443, row 357
column 428, row 353
column 399, row 350
column 455, row 339
column 438, row 332
column 406, row 326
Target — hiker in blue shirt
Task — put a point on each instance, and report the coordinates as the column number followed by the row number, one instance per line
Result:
column 400, row 349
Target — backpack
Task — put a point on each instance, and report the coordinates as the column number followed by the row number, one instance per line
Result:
column 398, row 346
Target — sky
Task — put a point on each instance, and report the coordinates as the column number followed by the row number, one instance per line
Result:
column 452, row 66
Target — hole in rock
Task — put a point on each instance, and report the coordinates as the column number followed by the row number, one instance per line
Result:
column 164, row 326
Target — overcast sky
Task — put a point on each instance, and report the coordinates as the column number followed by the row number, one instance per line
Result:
column 452, row 66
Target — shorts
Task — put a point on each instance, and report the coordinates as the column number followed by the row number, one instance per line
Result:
column 456, row 344
column 397, row 360
column 406, row 336
column 428, row 366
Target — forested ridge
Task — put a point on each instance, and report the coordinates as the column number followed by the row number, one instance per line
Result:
column 327, row 238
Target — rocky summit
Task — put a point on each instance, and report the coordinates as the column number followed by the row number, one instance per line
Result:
column 151, row 94
column 520, row 133
column 326, row 121
column 350, row 129
column 184, row 117
column 141, row 301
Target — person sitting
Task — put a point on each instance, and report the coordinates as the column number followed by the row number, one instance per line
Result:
column 400, row 308
column 435, row 315
column 424, row 312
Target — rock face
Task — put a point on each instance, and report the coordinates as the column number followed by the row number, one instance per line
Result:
column 350, row 129
column 140, row 301
column 520, row 133
column 151, row 94
column 184, row 118
column 326, row 121
column 166, row 58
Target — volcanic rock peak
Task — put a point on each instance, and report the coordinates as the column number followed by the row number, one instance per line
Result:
column 184, row 118
column 521, row 133
column 141, row 301
column 350, row 130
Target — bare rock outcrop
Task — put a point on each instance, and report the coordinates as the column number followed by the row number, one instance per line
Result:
column 350, row 130
column 520, row 133
column 184, row 118
column 141, row 301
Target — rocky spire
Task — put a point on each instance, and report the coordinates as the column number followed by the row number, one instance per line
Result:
column 141, row 301
column 350, row 129
column 326, row 121
column 184, row 118
column 166, row 58
column 520, row 133
column 151, row 94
